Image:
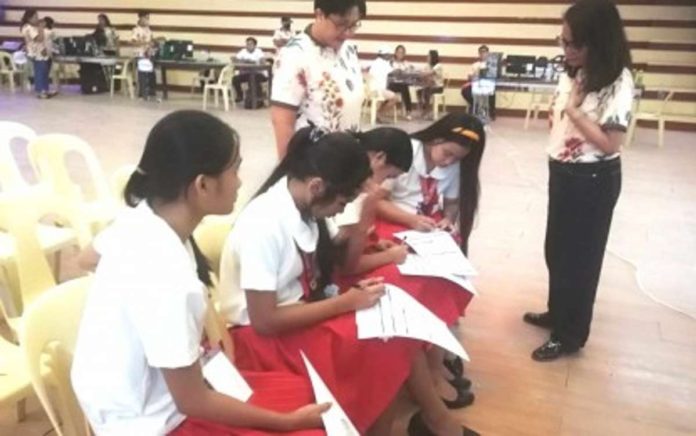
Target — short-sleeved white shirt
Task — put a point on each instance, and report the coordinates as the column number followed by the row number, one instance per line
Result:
column 379, row 73
column 325, row 86
column 142, row 36
column 245, row 55
column 261, row 253
column 144, row 312
column 35, row 49
column 282, row 34
column 610, row 107
column 406, row 189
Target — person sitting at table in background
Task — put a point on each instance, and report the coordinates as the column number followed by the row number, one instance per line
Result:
column 282, row 36
column 378, row 76
column 144, row 43
column 33, row 31
column 105, row 35
column 250, row 54
column 399, row 63
column 476, row 68
column 434, row 81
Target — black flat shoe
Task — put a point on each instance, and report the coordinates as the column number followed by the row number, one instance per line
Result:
column 416, row 427
column 552, row 350
column 454, row 366
column 464, row 398
column 461, row 382
column 542, row 319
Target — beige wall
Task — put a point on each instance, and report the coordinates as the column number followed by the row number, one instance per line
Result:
column 394, row 30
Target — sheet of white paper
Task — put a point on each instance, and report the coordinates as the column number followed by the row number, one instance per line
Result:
column 440, row 248
column 397, row 314
column 417, row 265
column 336, row 422
column 225, row 378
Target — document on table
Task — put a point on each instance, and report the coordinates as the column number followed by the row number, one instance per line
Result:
column 417, row 265
column 225, row 378
column 397, row 314
column 440, row 248
column 336, row 422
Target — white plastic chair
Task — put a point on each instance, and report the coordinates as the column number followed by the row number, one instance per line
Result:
column 223, row 87
column 438, row 100
column 125, row 77
column 373, row 99
column 538, row 99
column 10, row 70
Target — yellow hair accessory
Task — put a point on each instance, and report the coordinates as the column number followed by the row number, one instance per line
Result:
column 468, row 133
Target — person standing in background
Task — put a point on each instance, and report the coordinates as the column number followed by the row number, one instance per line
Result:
column 318, row 79
column 591, row 111
column 105, row 35
column 282, row 36
column 33, row 31
column 144, row 42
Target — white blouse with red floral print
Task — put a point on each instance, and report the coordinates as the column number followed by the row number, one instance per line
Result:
column 610, row 108
column 325, row 86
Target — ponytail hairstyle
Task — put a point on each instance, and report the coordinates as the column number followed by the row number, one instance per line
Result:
column 341, row 163
column 182, row 146
column 467, row 131
column 394, row 143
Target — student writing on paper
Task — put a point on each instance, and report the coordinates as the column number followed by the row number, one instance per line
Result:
column 389, row 151
column 136, row 368
column 441, row 189
column 275, row 287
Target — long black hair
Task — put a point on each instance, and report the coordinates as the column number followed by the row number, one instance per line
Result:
column 28, row 14
column 182, row 146
column 596, row 24
column 394, row 143
column 341, row 163
column 467, row 131
column 99, row 32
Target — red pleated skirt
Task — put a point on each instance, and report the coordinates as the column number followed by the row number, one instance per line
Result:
column 281, row 392
column 363, row 375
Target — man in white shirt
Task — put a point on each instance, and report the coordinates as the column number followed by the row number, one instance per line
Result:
column 283, row 35
column 379, row 73
column 250, row 54
column 476, row 68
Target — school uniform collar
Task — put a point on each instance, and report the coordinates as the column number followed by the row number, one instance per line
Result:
column 304, row 232
column 419, row 162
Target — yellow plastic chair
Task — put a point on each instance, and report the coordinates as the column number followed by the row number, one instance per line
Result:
column 52, row 238
column 15, row 384
column 223, row 86
column 47, row 153
column 20, row 212
column 119, row 180
column 48, row 341
column 373, row 99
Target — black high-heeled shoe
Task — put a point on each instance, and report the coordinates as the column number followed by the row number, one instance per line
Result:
column 464, row 398
column 417, row 427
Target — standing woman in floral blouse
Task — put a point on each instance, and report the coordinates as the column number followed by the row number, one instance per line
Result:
column 317, row 79
column 590, row 115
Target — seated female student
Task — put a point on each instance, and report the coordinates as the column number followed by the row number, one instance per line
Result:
column 275, row 274
column 434, row 78
column 136, row 368
column 441, row 189
column 390, row 154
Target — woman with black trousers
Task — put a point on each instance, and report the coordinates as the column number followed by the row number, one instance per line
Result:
column 590, row 115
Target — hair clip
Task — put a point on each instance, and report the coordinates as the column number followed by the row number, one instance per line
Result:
column 317, row 133
column 467, row 133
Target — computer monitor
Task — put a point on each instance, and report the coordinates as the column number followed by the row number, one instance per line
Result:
column 176, row 49
column 519, row 65
column 77, row 46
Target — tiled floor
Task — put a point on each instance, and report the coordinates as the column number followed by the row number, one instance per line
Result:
column 637, row 375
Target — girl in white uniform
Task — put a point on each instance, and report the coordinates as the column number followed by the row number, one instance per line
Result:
column 441, row 189
column 276, row 276
column 136, row 368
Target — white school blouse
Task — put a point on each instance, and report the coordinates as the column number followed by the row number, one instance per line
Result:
column 144, row 312
column 406, row 189
column 261, row 253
